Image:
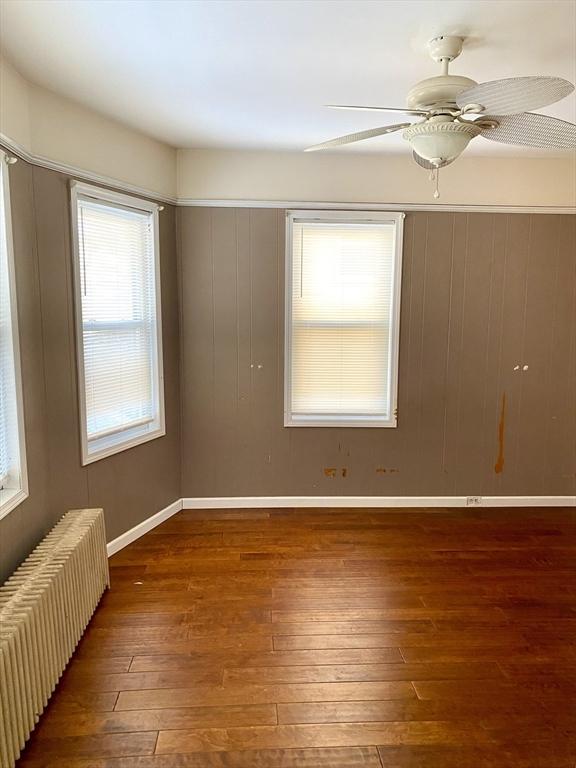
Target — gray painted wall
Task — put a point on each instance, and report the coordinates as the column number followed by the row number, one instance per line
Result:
column 131, row 485
column 481, row 294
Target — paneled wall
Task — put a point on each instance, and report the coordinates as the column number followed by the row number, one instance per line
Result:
column 483, row 296
column 131, row 485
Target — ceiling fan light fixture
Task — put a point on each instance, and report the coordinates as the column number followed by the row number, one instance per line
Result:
column 440, row 142
column 456, row 109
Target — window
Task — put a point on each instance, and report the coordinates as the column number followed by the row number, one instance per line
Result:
column 13, row 479
column 118, row 320
column 343, row 273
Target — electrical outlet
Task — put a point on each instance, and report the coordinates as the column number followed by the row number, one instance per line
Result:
column 473, row 501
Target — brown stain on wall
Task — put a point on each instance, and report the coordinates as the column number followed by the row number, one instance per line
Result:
column 499, row 466
column 332, row 472
column 384, row 470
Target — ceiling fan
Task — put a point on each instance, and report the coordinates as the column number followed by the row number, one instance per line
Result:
column 454, row 109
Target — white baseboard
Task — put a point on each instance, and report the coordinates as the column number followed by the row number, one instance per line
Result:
column 419, row 502
column 528, row 501
column 146, row 525
column 335, row 502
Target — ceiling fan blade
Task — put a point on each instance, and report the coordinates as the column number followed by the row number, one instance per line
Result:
column 359, row 136
column 515, row 95
column 423, row 163
column 532, row 130
column 415, row 112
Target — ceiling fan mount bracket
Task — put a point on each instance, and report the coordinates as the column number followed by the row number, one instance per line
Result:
column 445, row 48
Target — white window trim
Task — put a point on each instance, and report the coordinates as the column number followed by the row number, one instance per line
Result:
column 12, row 498
column 134, row 437
column 368, row 217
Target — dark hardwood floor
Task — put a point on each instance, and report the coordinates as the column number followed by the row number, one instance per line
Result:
column 328, row 639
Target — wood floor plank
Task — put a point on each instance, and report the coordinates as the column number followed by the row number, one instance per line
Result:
column 487, row 615
column 363, row 672
column 322, row 642
column 552, row 690
column 143, row 680
column 350, row 627
column 553, row 756
column 328, row 735
column 76, row 700
column 96, row 647
column 249, row 659
column 111, row 665
column 329, row 757
column 108, row 619
column 99, row 745
column 262, row 694
column 126, row 632
column 384, row 711
column 157, row 719
column 511, row 654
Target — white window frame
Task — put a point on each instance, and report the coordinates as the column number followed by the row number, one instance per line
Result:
column 134, row 435
column 11, row 498
column 367, row 217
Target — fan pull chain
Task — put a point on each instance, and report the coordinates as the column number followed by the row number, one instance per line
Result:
column 434, row 177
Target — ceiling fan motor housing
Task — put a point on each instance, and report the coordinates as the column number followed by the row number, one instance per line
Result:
column 438, row 92
column 440, row 139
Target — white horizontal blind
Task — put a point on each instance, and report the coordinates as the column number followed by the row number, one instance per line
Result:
column 12, row 462
column 342, row 321
column 117, row 286
column 7, row 380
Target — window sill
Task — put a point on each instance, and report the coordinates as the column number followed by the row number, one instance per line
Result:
column 318, row 421
column 88, row 457
column 10, row 499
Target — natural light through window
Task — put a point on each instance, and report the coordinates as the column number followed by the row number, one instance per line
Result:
column 342, row 318
column 13, row 478
column 119, row 342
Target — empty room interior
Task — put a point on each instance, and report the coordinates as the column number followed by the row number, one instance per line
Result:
column 287, row 384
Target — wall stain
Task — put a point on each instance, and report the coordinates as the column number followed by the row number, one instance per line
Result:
column 332, row 472
column 499, row 466
column 384, row 470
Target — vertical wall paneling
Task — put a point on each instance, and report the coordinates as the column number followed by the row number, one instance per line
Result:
column 481, row 294
column 198, row 347
column 476, row 302
column 558, row 465
column 24, row 526
column 66, row 478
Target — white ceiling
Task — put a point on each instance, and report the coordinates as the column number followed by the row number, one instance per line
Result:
column 255, row 73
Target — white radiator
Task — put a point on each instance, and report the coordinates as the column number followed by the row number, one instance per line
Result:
column 45, row 607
